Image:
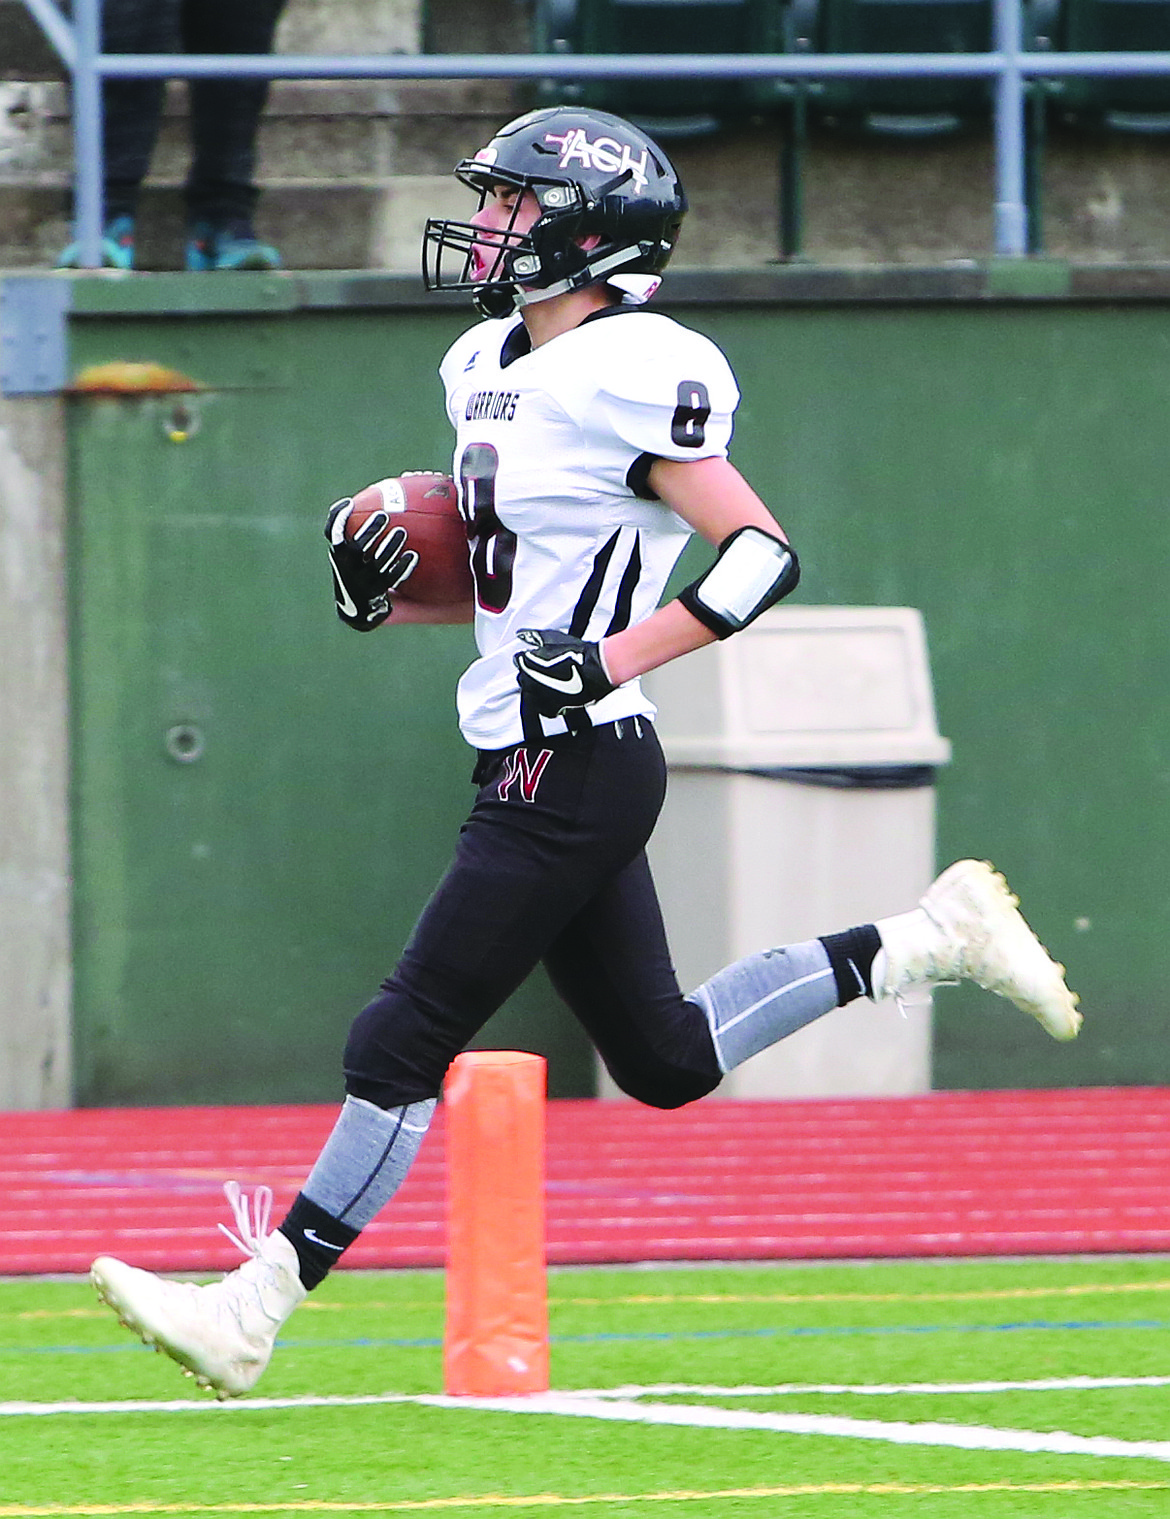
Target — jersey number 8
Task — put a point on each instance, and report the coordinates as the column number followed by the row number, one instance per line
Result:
column 493, row 546
column 690, row 415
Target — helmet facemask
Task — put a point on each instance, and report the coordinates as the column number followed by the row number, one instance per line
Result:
column 527, row 267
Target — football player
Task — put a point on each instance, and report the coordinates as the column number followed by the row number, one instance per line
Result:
column 591, row 441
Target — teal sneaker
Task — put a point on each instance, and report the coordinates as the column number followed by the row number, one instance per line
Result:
column 228, row 245
column 117, row 247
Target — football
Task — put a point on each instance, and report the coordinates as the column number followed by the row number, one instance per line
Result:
column 426, row 504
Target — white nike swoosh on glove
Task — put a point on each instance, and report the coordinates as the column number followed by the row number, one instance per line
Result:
column 571, row 685
column 344, row 600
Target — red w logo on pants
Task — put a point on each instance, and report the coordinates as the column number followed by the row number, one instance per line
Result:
column 526, row 769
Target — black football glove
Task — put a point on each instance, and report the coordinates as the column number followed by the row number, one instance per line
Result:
column 560, row 672
column 365, row 571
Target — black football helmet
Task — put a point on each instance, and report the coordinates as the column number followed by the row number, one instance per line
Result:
column 593, row 175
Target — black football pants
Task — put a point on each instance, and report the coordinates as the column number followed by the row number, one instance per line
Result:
column 550, row 866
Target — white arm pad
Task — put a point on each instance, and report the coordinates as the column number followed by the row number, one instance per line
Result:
column 753, row 572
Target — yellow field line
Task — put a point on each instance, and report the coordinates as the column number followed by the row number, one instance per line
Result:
column 985, row 1295
column 989, row 1294
column 564, row 1500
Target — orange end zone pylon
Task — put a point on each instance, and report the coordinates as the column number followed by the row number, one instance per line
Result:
column 496, row 1339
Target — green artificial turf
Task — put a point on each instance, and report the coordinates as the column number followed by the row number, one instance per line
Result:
column 706, row 1327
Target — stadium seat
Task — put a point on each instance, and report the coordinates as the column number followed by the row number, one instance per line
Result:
column 900, row 106
column 1140, row 105
column 666, row 108
column 907, row 107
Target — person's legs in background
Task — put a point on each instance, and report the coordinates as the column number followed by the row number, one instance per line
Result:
column 225, row 116
column 132, row 109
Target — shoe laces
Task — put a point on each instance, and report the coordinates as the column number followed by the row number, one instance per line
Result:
column 251, row 1218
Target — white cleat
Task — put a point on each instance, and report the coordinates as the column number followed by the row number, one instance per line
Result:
column 968, row 927
column 221, row 1334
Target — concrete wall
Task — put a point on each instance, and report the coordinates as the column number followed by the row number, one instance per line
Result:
column 35, row 975
column 350, row 26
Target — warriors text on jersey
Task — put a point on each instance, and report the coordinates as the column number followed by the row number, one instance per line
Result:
column 552, row 450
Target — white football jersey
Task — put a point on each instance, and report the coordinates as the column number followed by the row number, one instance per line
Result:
column 552, row 448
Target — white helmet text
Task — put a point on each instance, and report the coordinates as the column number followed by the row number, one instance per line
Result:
column 604, row 154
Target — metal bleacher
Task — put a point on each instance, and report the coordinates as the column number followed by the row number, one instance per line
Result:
column 909, row 68
column 929, row 90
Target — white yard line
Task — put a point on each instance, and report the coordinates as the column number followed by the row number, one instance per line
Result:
column 585, row 1394
column 200, row 1405
column 963, row 1437
column 620, row 1405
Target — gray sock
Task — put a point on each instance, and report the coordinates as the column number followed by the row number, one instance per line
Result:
column 366, row 1158
column 756, row 1002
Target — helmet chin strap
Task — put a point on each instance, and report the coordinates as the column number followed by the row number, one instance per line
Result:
column 592, row 274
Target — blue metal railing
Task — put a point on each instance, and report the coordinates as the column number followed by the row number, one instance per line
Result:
column 1009, row 66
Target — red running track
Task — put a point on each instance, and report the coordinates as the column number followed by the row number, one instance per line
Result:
column 949, row 1173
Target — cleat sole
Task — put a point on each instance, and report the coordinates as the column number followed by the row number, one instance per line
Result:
column 219, row 1334
column 147, row 1339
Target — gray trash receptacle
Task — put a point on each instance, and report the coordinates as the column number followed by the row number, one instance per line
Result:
column 802, row 756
